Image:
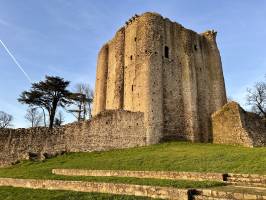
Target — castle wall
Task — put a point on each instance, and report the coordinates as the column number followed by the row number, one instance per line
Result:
column 108, row 130
column 150, row 30
column 173, row 107
column 177, row 92
column 115, row 77
column 99, row 103
column 186, row 83
column 214, row 64
column 203, row 89
column 134, row 70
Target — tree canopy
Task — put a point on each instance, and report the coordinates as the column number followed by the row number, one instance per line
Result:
column 48, row 94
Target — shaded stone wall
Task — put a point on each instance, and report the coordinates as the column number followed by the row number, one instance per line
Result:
column 233, row 125
column 170, row 73
column 108, row 130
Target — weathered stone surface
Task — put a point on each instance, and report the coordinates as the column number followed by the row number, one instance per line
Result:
column 219, row 193
column 233, row 125
column 108, row 130
column 143, row 174
column 171, row 74
column 231, row 193
column 111, row 188
column 247, row 179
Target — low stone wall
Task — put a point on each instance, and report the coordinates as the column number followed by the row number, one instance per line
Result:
column 111, row 188
column 247, row 179
column 212, row 194
column 108, row 130
column 233, row 125
column 142, row 174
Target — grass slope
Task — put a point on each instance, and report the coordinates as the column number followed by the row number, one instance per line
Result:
column 9, row 193
column 174, row 156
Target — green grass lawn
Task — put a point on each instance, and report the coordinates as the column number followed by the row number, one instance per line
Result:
column 174, row 156
column 10, row 193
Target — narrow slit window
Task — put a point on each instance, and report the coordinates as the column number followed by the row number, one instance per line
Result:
column 131, row 57
column 166, row 52
column 132, row 88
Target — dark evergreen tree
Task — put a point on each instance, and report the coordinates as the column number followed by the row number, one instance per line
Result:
column 48, row 94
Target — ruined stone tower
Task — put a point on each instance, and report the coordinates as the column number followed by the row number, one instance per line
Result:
column 171, row 74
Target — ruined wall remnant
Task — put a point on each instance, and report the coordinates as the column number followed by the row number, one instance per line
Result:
column 171, row 74
column 109, row 130
column 233, row 125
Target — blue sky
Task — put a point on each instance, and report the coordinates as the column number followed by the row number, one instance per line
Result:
column 62, row 37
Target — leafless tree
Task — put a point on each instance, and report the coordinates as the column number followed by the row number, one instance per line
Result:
column 89, row 100
column 82, row 100
column 5, row 119
column 33, row 116
column 256, row 98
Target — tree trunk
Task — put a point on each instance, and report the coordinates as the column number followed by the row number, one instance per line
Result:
column 261, row 110
column 52, row 115
column 84, row 111
column 90, row 115
column 79, row 112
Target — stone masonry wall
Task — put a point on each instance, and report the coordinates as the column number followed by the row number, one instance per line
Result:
column 111, row 188
column 171, row 74
column 170, row 175
column 108, row 130
column 233, row 125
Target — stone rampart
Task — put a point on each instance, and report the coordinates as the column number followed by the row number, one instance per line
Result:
column 108, row 130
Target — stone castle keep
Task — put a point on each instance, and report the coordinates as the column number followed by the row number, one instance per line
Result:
column 171, row 74
column 156, row 81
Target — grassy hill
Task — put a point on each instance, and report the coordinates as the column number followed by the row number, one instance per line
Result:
column 173, row 156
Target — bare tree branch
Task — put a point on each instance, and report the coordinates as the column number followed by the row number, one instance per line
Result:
column 5, row 119
column 33, row 116
column 82, row 100
column 256, row 98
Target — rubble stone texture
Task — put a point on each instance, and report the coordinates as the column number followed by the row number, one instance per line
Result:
column 233, row 125
column 171, row 74
column 109, row 130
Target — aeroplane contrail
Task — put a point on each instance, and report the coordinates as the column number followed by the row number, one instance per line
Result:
column 15, row 61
